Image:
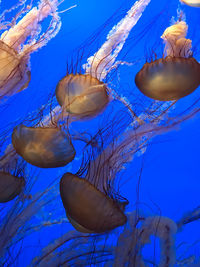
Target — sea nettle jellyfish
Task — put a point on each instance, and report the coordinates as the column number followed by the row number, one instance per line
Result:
column 82, row 95
column 40, row 141
column 42, row 146
column 20, row 37
column 91, row 203
column 89, row 197
column 194, row 3
column 85, row 95
column 177, row 74
column 87, row 208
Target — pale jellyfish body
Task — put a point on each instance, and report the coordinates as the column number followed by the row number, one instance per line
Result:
column 194, row 3
column 19, row 41
column 82, row 95
column 177, row 74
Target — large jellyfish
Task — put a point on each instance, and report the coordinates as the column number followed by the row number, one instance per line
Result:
column 87, row 208
column 89, row 196
column 177, row 74
column 20, row 37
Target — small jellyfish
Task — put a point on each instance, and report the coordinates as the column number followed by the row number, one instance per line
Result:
column 82, row 95
column 43, row 147
column 10, row 186
column 87, row 208
column 194, row 3
column 20, row 39
column 177, row 74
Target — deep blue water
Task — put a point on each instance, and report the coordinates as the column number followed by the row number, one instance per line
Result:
column 170, row 166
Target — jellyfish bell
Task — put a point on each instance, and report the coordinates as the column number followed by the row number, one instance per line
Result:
column 10, row 186
column 88, row 209
column 43, row 147
column 82, row 95
column 193, row 3
column 174, row 76
column 86, row 95
column 14, row 71
column 169, row 78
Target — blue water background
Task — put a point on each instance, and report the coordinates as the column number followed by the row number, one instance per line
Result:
column 170, row 174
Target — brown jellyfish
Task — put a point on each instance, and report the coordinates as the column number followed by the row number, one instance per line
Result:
column 10, row 186
column 87, row 208
column 82, row 95
column 174, row 76
column 43, row 147
column 89, row 197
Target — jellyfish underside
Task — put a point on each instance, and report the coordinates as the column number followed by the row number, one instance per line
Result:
column 169, row 78
column 82, row 95
column 10, row 186
column 14, row 74
column 194, row 3
column 87, row 208
column 43, row 147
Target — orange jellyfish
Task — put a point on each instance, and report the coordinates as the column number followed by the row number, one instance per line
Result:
column 43, row 147
column 194, row 3
column 20, row 39
column 87, row 94
column 174, row 76
column 87, row 208
column 82, row 95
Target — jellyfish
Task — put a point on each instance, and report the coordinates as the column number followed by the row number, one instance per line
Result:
column 89, row 196
column 177, row 74
column 100, row 176
column 87, row 208
column 193, row 3
column 10, row 186
column 87, row 94
column 43, row 147
column 21, row 37
column 82, row 95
